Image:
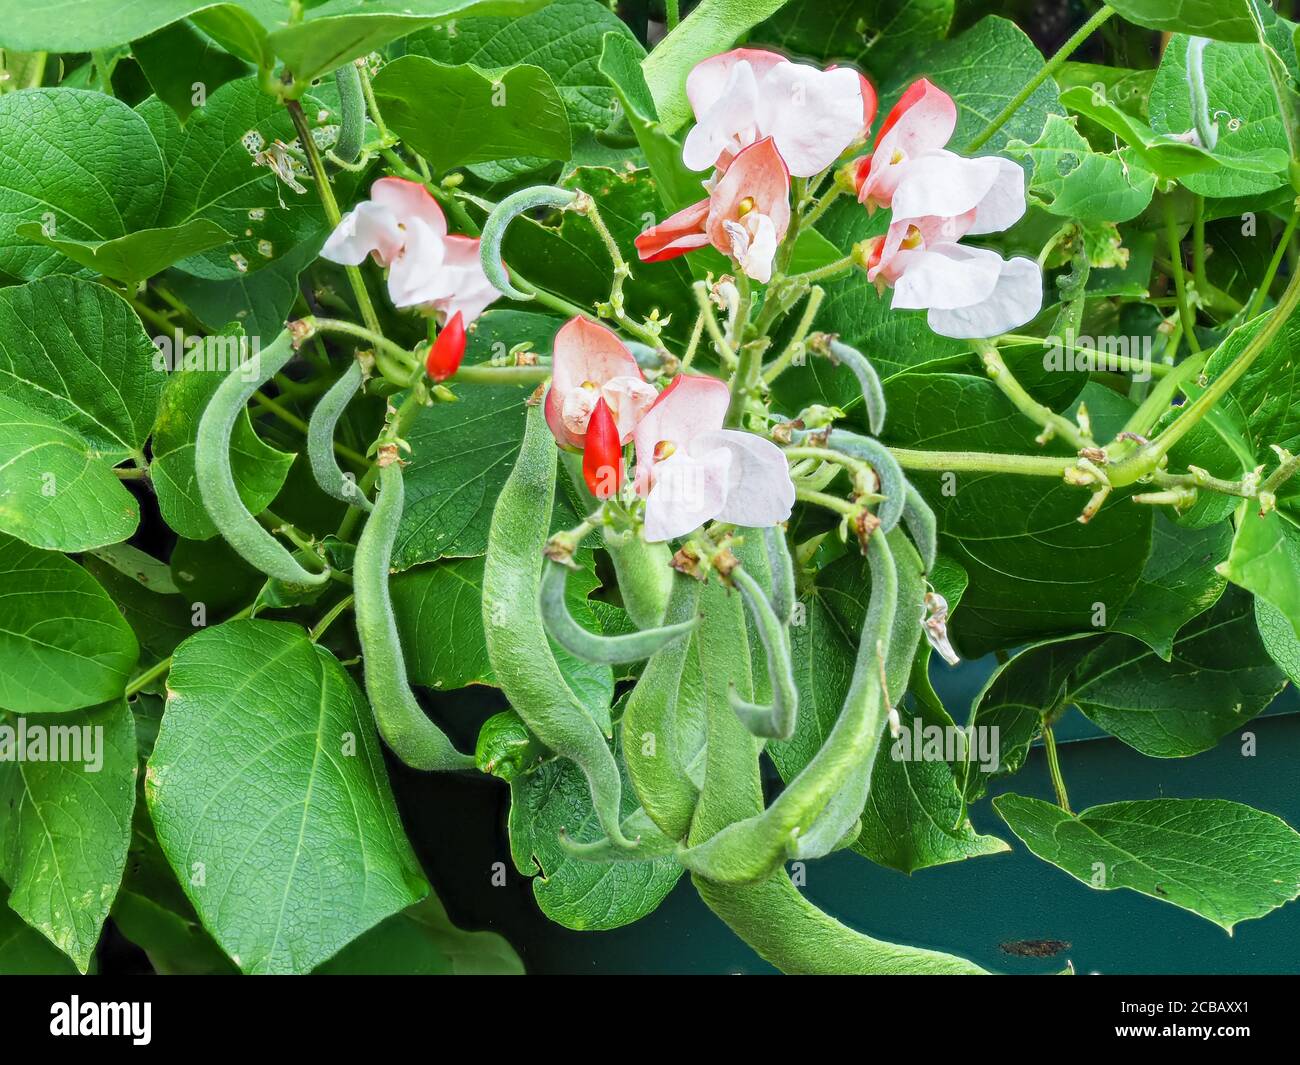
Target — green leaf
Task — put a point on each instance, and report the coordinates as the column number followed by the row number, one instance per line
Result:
column 1219, row 676
column 462, row 452
column 81, row 165
column 1265, row 560
column 75, row 352
column 65, row 824
column 1168, row 157
column 564, row 38
column 422, row 941
column 25, row 952
column 160, row 620
column 53, row 493
column 171, row 59
column 90, row 25
column 1279, row 637
column 1177, row 584
column 1241, row 96
column 620, row 62
column 136, row 256
column 712, row 27
column 1222, row 860
column 456, row 115
column 872, row 34
column 211, row 174
column 589, row 896
column 1224, row 20
column 1071, row 180
column 63, row 643
column 259, row 469
column 268, row 728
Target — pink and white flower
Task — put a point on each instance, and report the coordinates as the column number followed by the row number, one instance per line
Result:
column 910, row 171
column 747, row 94
column 691, row 470
column 968, row 292
column 746, row 215
column 403, row 229
column 590, row 364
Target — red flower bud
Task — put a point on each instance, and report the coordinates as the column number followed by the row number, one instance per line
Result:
column 602, row 454
column 447, row 351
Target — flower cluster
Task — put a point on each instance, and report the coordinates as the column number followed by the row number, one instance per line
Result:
column 689, row 469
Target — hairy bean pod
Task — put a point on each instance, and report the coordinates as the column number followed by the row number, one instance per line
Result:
column 590, row 646
column 506, row 749
column 352, row 113
column 750, row 850
column 778, row 719
column 893, row 485
column 494, row 230
column 920, row 521
column 406, row 728
column 873, row 394
column 781, row 566
column 320, row 439
column 518, row 649
column 217, row 481
column 651, row 842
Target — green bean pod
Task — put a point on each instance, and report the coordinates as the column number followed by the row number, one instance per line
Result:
column 651, row 842
column 1207, row 129
column 406, row 728
column 781, row 566
column 893, row 485
column 920, row 521
column 320, row 439
column 651, row 724
column 506, row 749
column 839, row 824
column 217, row 481
column 590, row 646
column 873, row 394
column 494, row 231
column 798, row 938
column 750, row 850
column 352, row 113
column 517, row 646
column 778, row 719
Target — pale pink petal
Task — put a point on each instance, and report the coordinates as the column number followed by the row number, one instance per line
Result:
column 409, row 200
column 628, row 398
column 1017, row 297
column 922, row 121
column 466, row 288
column 414, row 276
column 366, row 228
column 675, row 235
column 586, row 351
column 757, row 181
column 753, row 244
column 760, row 492
column 707, row 82
column 908, row 238
column 947, row 276
column 687, row 492
column 690, row 405
column 811, row 114
column 555, row 420
column 728, row 123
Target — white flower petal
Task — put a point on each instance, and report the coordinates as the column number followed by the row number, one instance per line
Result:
column 947, row 276
column 687, row 492
column 760, row 247
column 368, row 227
column 813, row 115
column 943, row 184
column 760, row 492
column 416, row 276
column 728, row 125
column 1004, row 204
column 1016, row 299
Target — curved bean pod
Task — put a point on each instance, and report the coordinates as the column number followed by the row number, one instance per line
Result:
column 651, row 842
column 778, row 720
column 494, row 231
column 893, row 485
column 590, row 646
column 520, row 654
column 781, row 566
column 651, row 722
column 406, row 728
column 873, row 395
column 750, row 850
column 320, row 439
column 352, row 113
column 217, row 481
column 922, row 524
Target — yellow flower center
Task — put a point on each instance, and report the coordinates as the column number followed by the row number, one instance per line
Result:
column 746, row 205
column 663, row 450
column 913, row 238
column 896, row 158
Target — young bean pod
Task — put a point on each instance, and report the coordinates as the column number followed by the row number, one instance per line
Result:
column 893, row 485
column 750, row 850
column 777, row 720
column 320, row 439
column 922, row 524
column 873, row 395
column 781, row 566
column 217, row 481
column 590, row 646
column 494, row 230
column 406, row 728
column 352, row 113
column 517, row 647
column 506, row 749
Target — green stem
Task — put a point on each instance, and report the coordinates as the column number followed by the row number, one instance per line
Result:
column 673, row 13
column 1158, row 401
column 155, row 671
column 1053, row 424
column 798, row 342
column 725, row 353
column 981, row 462
column 839, row 266
column 1101, row 360
column 1261, row 294
column 834, row 503
column 1054, row 768
column 824, row 201
column 500, row 375
column 372, row 105
column 1185, row 312
column 319, row 630
column 1049, row 68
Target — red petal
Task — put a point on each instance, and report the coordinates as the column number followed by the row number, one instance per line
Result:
column 447, row 351
column 602, row 456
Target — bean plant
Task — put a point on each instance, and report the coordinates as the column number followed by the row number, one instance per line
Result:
column 639, row 407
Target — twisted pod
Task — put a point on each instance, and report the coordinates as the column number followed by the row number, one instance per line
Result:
column 494, row 231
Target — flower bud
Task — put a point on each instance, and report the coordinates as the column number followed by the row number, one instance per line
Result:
column 602, row 453
column 444, row 356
